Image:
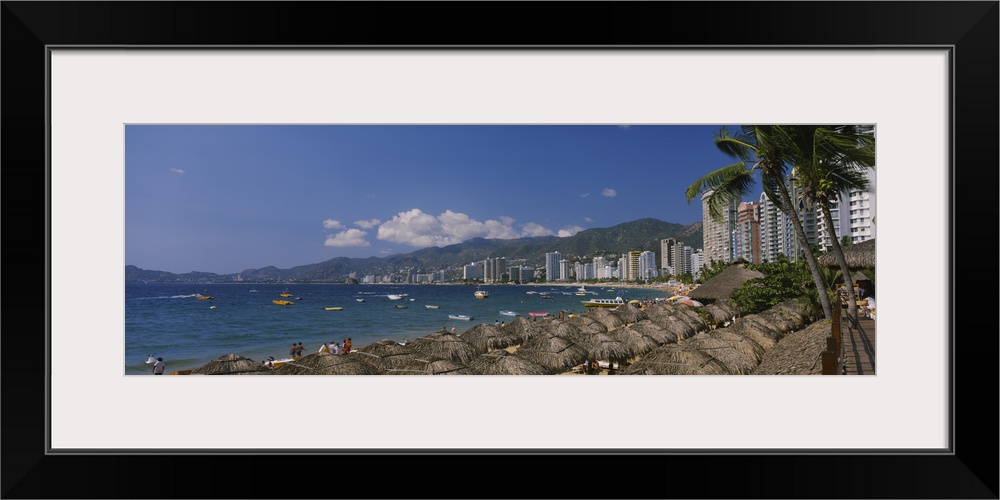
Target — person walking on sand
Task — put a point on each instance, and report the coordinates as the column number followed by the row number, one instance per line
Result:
column 291, row 350
column 159, row 366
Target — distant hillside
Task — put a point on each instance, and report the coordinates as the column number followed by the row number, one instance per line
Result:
column 641, row 235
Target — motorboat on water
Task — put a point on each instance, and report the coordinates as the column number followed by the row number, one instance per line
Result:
column 206, row 296
column 482, row 294
column 393, row 296
column 428, row 306
column 282, row 302
column 285, row 293
column 615, row 302
column 334, row 308
column 360, row 300
column 509, row 313
column 460, row 317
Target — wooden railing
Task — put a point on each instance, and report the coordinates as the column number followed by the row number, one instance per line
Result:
column 833, row 356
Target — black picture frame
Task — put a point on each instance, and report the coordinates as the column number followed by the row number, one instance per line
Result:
column 970, row 28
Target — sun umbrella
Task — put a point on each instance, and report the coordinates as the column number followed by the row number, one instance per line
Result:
column 656, row 332
column 587, row 324
column 689, row 302
column 230, row 364
column 447, row 346
column 524, row 329
column 800, row 353
column 325, row 363
column 603, row 347
column 637, row 341
column 676, row 359
column 610, row 319
column 738, row 354
column 486, row 337
column 386, row 353
column 557, row 354
column 431, row 365
column 561, row 328
column 501, row 362
column 629, row 313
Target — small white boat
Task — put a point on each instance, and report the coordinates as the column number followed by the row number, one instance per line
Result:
column 360, row 300
column 460, row 317
column 395, row 297
column 509, row 313
column 427, row 306
column 615, row 302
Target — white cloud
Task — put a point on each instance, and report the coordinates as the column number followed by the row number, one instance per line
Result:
column 349, row 238
column 418, row 229
column 532, row 229
column 176, row 170
column 569, row 231
column 610, row 193
column 332, row 224
column 588, row 219
column 584, row 195
column 367, row 224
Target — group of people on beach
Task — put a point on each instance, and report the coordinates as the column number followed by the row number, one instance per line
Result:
column 333, row 347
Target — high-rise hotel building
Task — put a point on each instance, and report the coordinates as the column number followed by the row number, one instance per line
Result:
column 718, row 242
column 552, row 266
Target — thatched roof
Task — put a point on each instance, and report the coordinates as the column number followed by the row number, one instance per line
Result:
column 431, row 365
column 610, row 319
column 677, row 326
column 718, row 313
column 722, row 285
column 447, row 346
column 387, row 353
column 587, row 323
column 797, row 354
column 635, row 339
column 656, row 332
column 561, row 328
column 325, row 363
column 629, row 313
column 602, row 346
column 524, row 329
column 858, row 256
column 684, row 314
column 557, row 354
column 738, row 354
column 230, row 364
column 486, row 337
column 674, row 359
column 501, row 362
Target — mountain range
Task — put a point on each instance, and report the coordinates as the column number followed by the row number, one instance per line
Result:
column 641, row 235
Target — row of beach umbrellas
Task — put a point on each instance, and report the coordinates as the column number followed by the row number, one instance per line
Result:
column 667, row 339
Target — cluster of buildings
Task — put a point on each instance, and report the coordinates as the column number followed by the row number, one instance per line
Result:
column 758, row 232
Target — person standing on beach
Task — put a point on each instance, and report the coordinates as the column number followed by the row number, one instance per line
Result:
column 347, row 346
column 453, row 329
column 298, row 350
column 159, row 367
column 291, row 350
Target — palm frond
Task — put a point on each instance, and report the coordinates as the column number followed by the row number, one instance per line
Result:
column 713, row 180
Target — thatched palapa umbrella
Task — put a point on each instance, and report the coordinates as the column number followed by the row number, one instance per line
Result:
column 606, row 317
column 524, row 329
column 230, row 364
column 632, row 336
column 673, row 325
column 587, row 324
column 722, row 285
column 386, row 354
column 603, row 347
column 858, row 256
column 738, row 354
column 561, row 328
column 488, row 337
column 800, row 353
column 656, row 332
column 501, row 362
column 557, row 354
column 431, row 365
column 447, row 346
column 629, row 313
column 676, row 359
column 325, row 363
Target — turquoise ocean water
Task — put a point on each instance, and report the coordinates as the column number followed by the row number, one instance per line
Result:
column 169, row 322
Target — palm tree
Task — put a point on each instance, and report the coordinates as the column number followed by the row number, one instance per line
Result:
column 764, row 149
column 831, row 160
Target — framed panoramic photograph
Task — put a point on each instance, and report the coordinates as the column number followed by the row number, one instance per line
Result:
column 362, row 211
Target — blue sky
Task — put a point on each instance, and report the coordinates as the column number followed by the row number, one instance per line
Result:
column 222, row 199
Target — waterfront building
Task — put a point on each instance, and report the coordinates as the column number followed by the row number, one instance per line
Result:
column 717, row 235
column 647, row 265
column 473, row 271
column 747, row 243
column 552, row 266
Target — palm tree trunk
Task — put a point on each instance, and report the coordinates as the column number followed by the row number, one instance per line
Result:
column 824, row 297
column 852, row 302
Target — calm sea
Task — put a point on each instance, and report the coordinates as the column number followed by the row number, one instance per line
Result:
column 169, row 322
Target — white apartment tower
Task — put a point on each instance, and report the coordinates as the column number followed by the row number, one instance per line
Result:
column 718, row 243
column 552, row 266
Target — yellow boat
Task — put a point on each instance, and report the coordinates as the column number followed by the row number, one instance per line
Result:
column 281, row 302
column 285, row 293
column 204, row 297
column 334, row 308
